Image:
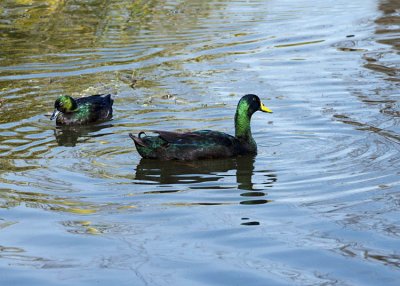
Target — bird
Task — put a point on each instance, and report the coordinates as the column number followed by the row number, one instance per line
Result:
column 204, row 144
column 82, row 111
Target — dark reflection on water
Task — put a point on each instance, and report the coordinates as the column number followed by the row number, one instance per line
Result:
column 193, row 173
column 69, row 136
column 181, row 172
column 250, row 223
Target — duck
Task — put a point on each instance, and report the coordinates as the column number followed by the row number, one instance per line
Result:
column 204, row 144
column 82, row 111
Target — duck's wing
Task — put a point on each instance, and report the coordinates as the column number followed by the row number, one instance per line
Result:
column 197, row 138
column 101, row 100
column 97, row 107
column 204, row 144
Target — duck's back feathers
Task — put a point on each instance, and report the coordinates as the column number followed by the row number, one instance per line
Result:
column 202, row 137
column 99, row 107
column 96, row 99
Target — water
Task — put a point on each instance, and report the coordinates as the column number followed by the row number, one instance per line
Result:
column 319, row 204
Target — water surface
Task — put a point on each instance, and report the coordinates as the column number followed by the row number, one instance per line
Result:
column 319, row 204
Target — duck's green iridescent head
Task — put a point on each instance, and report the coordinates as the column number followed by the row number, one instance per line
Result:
column 64, row 104
column 251, row 103
column 247, row 105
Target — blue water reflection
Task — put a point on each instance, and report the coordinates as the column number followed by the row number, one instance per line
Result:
column 319, row 204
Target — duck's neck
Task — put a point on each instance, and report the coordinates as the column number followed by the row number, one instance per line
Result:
column 242, row 126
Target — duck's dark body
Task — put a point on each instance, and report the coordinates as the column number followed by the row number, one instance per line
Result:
column 91, row 109
column 203, row 144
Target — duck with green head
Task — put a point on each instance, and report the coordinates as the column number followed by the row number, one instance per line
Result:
column 204, row 144
column 82, row 111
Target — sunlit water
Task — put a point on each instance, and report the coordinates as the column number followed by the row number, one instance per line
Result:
column 319, row 204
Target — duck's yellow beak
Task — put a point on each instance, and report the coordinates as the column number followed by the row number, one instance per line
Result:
column 263, row 108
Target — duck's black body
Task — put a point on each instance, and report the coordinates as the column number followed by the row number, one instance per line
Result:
column 204, row 144
column 83, row 111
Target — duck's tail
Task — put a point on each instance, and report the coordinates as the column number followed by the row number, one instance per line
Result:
column 109, row 98
column 137, row 140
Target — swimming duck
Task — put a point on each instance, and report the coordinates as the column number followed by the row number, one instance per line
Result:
column 82, row 111
column 204, row 144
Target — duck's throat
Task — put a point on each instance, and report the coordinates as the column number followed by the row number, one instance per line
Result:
column 242, row 127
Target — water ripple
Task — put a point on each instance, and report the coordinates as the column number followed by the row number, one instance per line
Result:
column 317, row 205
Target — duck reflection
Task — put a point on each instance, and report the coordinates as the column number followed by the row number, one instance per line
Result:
column 189, row 172
column 71, row 135
column 194, row 172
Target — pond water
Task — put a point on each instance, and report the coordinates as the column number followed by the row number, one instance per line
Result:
column 319, row 204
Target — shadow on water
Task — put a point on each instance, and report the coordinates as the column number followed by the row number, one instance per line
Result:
column 182, row 172
column 199, row 174
column 69, row 136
